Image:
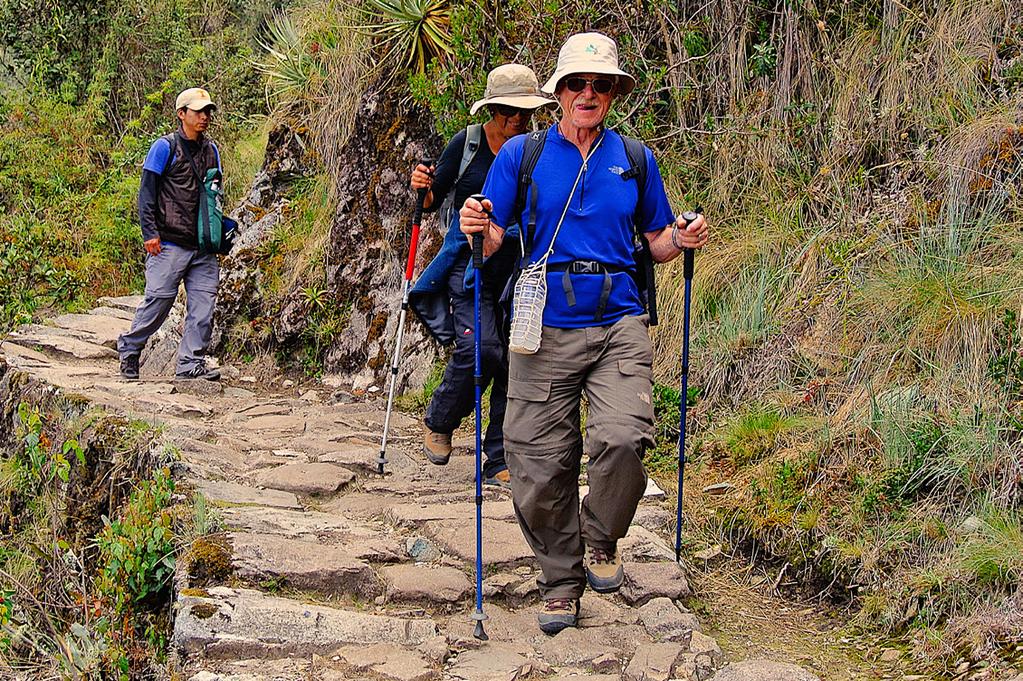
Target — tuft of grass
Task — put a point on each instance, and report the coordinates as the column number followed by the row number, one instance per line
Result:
column 752, row 435
column 416, row 402
column 994, row 553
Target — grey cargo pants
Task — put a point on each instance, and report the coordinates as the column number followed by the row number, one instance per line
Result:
column 543, row 443
column 164, row 272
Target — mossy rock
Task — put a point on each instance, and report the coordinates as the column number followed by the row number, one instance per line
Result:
column 208, row 560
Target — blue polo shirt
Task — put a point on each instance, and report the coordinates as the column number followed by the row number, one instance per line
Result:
column 597, row 226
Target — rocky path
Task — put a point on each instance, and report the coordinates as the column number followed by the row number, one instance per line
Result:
column 327, row 570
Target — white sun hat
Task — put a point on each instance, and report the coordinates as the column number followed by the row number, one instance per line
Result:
column 590, row 53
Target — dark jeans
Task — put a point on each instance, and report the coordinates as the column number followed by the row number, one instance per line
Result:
column 455, row 398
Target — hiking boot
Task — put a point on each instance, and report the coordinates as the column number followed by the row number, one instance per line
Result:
column 604, row 570
column 200, row 370
column 558, row 614
column 436, row 446
column 499, row 479
column 130, row 367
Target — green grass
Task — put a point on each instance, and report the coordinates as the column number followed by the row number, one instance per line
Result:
column 993, row 554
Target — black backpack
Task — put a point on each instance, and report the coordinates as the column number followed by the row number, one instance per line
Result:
column 635, row 151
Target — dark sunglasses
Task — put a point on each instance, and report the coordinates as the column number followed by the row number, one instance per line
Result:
column 509, row 111
column 601, row 86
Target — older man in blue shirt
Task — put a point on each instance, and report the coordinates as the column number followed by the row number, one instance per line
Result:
column 594, row 339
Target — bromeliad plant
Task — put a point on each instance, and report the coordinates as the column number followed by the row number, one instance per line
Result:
column 414, row 31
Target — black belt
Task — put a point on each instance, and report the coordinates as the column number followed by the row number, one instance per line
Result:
column 586, row 267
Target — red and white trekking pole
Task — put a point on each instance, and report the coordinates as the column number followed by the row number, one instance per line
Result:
column 410, row 266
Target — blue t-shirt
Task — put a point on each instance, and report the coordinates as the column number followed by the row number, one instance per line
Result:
column 597, row 226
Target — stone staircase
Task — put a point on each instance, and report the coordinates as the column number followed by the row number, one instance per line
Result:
column 327, row 570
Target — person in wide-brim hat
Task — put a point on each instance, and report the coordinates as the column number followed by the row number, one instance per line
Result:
column 440, row 298
column 594, row 338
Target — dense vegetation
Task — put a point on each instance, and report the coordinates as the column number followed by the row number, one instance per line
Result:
column 90, row 530
column 858, row 320
column 86, row 88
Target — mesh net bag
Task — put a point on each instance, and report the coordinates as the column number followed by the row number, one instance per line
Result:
column 528, row 301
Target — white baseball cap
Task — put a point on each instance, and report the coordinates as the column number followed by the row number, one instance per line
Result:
column 194, row 98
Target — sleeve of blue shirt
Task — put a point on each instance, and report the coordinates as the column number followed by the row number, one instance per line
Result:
column 152, row 170
column 502, row 183
column 657, row 212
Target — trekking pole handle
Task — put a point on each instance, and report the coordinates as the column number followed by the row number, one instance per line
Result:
column 421, row 192
column 477, row 238
column 689, row 255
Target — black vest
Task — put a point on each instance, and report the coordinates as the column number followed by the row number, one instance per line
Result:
column 177, row 205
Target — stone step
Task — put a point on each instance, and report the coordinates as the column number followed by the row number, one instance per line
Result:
column 503, row 544
column 314, row 479
column 225, row 623
column 123, row 303
column 421, row 584
column 235, row 493
column 116, row 313
column 99, row 329
column 59, row 341
column 310, row 566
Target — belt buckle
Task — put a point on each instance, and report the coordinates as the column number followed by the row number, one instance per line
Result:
column 586, row 267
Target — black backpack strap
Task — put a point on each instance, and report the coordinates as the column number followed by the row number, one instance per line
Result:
column 636, row 153
column 172, row 140
column 531, row 151
column 646, row 279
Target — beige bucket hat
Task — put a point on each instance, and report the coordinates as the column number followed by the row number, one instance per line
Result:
column 194, row 98
column 590, row 53
column 513, row 85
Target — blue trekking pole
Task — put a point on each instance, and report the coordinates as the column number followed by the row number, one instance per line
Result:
column 477, row 263
column 689, row 256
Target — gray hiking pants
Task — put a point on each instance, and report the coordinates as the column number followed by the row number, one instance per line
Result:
column 543, row 443
column 164, row 272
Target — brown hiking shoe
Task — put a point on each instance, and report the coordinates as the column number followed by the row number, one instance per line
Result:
column 558, row 614
column 604, row 570
column 436, row 446
column 499, row 479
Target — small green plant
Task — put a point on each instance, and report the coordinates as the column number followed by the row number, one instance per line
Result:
column 763, row 59
column 416, row 402
column 43, row 461
column 206, row 519
column 137, row 550
column 6, row 615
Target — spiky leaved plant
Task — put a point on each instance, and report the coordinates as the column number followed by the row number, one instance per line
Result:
column 413, row 31
column 289, row 67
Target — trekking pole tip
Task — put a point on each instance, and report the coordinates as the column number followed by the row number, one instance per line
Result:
column 478, row 633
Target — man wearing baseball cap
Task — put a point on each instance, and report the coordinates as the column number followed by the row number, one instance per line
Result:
column 169, row 199
column 591, row 193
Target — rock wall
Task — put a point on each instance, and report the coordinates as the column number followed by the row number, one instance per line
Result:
column 367, row 247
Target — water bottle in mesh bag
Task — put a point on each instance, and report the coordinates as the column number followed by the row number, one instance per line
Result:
column 528, row 301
